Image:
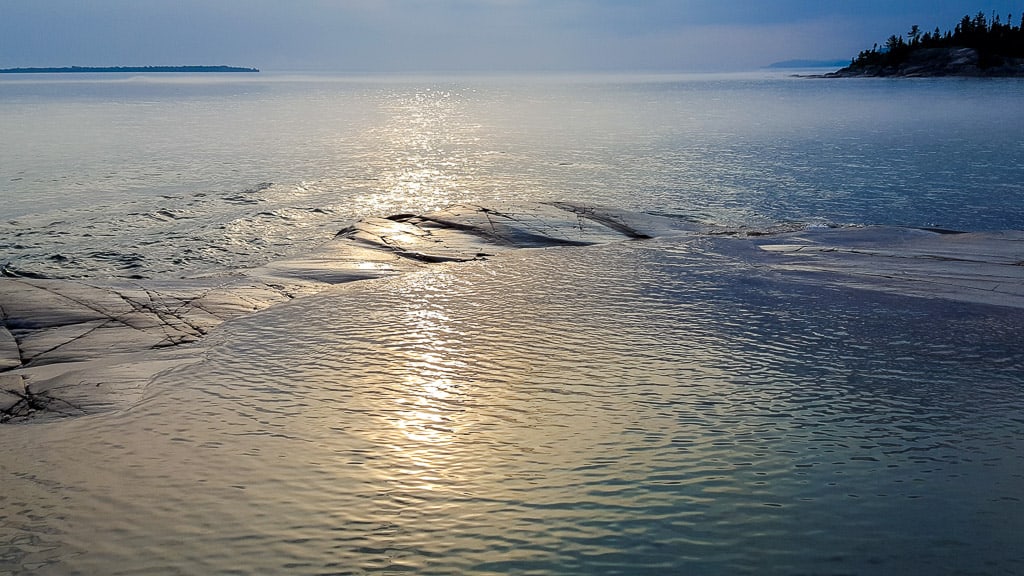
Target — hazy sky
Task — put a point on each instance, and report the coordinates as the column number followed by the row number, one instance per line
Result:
column 462, row 35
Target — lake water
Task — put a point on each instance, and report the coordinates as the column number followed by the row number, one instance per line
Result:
column 646, row 407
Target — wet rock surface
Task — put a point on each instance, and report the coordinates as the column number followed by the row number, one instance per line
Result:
column 980, row 267
column 71, row 347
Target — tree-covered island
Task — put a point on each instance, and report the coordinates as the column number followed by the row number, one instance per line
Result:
column 978, row 46
column 130, row 69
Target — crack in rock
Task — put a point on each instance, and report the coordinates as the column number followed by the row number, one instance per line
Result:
column 18, row 402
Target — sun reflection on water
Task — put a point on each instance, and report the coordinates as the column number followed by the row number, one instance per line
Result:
column 431, row 408
column 424, row 144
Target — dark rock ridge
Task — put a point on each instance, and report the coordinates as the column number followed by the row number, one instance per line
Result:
column 70, row 347
column 937, row 62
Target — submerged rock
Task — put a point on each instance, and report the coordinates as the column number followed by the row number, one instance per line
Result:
column 70, row 339
column 72, row 347
column 980, row 267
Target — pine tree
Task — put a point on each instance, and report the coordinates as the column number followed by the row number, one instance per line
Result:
column 914, row 34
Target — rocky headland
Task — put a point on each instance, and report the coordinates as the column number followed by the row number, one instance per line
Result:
column 976, row 47
column 937, row 62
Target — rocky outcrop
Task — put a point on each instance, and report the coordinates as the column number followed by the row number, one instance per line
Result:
column 938, row 62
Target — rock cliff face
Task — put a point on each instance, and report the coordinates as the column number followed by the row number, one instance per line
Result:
column 937, row 62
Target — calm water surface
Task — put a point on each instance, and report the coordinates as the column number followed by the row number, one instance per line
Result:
column 639, row 408
column 136, row 175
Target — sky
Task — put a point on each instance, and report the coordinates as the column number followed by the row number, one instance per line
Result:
column 489, row 36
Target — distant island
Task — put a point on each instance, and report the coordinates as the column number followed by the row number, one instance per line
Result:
column 978, row 46
column 807, row 64
column 132, row 69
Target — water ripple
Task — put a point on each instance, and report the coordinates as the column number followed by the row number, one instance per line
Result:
column 562, row 411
